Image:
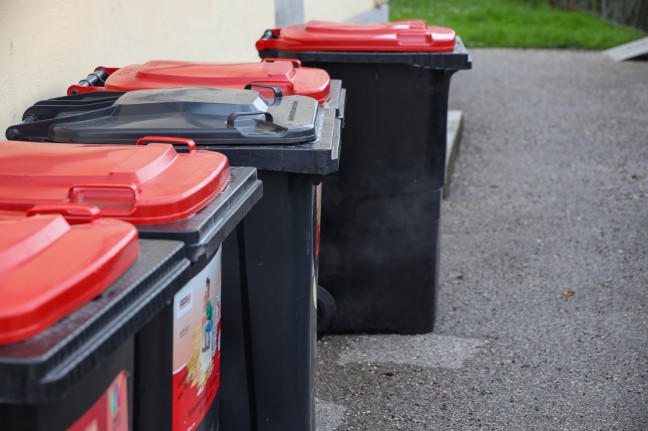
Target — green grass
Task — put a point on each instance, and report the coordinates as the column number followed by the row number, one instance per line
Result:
column 516, row 23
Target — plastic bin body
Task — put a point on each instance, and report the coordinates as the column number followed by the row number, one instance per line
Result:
column 281, row 348
column 201, row 211
column 80, row 371
column 381, row 211
column 269, row 305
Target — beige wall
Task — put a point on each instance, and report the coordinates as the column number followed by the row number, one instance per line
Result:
column 336, row 10
column 46, row 45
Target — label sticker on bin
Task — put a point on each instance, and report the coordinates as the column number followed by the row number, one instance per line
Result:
column 285, row 74
column 110, row 412
column 50, row 266
column 144, row 184
column 196, row 346
column 398, row 36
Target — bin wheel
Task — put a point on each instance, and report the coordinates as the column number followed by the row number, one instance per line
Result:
column 326, row 309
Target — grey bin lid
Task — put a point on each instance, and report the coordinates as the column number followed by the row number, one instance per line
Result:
column 207, row 115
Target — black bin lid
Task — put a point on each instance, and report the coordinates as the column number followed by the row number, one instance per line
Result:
column 66, row 106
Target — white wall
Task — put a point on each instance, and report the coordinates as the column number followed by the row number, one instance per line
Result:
column 47, row 45
column 336, row 10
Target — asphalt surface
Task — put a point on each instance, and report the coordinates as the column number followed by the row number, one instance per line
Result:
column 549, row 197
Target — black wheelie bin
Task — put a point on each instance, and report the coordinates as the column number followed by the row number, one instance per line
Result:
column 381, row 211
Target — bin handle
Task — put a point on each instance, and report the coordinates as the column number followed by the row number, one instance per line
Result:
column 231, row 119
column 95, row 79
column 278, row 94
column 190, row 143
column 294, row 61
column 271, row 34
column 268, row 42
column 72, row 212
column 112, row 199
column 78, row 89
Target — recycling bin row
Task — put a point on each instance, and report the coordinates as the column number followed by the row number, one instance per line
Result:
column 100, row 153
column 269, row 273
column 269, row 307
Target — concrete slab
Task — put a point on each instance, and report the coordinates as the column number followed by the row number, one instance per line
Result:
column 427, row 350
column 455, row 129
column 328, row 416
column 628, row 51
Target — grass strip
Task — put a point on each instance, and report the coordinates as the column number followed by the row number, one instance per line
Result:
column 516, row 23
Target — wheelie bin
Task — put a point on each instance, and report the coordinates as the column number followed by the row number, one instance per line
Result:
column 381, row 212
column 193, row 197
column 294, row 144
column 76, row 289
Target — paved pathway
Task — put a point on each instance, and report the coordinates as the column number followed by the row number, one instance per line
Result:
column 549, row 194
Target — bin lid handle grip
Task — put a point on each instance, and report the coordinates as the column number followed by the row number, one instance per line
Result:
column 278, row 94
column 168, row 140
column 296, row 63
column 72, row 212
column 112, row 199
column 231, row 119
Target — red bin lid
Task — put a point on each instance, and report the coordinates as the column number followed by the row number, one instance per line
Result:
column 50, row 267
column 143, row 184
column 398, row 36
column 286, row 74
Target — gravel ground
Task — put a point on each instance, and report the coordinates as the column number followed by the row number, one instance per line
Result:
column 549, row 197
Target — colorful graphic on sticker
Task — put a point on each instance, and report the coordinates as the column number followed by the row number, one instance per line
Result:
column 196, row 346
column 110, row 412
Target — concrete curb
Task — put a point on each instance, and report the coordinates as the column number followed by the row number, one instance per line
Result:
column 455, row 130
column 628, row 51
